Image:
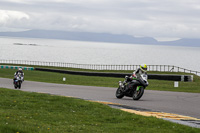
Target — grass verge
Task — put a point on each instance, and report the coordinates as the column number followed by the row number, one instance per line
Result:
column 25, row 112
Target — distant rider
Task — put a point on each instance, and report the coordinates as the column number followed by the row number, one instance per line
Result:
column 16, row 73
column 136, row 75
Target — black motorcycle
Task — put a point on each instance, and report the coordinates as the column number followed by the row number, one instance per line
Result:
column 18, row 80
column 136, row 91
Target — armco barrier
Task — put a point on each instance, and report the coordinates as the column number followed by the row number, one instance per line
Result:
column 122, row 75
column 188, row 78
column 16, row 67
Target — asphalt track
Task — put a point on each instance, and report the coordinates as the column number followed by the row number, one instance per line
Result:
column 186, row 104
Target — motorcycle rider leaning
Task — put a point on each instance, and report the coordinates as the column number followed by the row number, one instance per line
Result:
column 136, row 75
column 16, row 73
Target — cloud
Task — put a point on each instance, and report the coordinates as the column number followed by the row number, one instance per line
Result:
column 18, row 1
column 9, row 18
column 167, row 18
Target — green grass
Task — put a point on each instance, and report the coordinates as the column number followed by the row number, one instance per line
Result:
column 26, row 112
column 103, row 81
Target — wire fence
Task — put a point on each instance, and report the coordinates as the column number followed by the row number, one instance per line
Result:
column 160, row 68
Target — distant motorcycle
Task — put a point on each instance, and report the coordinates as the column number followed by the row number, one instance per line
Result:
column 135, row 92
column 18, row 81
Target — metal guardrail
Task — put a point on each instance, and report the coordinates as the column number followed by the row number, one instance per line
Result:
column 161, row 68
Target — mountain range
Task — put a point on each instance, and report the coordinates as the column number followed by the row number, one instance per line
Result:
column 100, row 37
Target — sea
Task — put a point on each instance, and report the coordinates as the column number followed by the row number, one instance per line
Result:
column 82, row 52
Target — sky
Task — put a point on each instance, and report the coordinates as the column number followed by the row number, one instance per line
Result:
column 161, row 19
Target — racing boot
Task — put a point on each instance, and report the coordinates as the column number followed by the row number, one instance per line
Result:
column 126, row 89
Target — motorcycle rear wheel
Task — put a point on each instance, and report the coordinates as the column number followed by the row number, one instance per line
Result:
column 119, row 94
column 138, row 94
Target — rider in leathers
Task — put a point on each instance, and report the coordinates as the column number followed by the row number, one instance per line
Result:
column 136, row 75
column 16, row 73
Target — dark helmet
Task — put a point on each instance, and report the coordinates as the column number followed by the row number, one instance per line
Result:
column 20, row 70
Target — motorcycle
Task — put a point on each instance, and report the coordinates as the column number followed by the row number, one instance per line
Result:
column 18, row 80
column 136, row 91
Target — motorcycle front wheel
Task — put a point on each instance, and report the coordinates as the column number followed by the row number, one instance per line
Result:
column 119, row 94
column 15, row 86
column 19, row 86
column 138, row 93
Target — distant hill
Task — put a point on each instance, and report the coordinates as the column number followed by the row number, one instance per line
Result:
column 81, row 36
column 98, row 37
column 183, row 42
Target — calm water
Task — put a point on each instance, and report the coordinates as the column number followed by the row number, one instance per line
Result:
column 98, row 53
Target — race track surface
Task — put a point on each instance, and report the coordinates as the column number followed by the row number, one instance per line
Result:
column 187, row 104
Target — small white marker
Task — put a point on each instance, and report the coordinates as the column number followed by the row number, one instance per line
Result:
column 175, row 83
